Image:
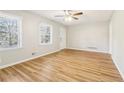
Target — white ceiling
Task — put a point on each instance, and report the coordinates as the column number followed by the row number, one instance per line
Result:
column 88, row 16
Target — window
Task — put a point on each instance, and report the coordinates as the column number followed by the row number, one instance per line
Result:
column 10, row 32
column 45, row 34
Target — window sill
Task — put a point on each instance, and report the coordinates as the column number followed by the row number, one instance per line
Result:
column 9, row 49
column 46, row 44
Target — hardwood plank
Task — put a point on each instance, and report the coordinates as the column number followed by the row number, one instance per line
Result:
column 67, row 65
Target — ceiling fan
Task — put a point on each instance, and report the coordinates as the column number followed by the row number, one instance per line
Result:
column 70, row 14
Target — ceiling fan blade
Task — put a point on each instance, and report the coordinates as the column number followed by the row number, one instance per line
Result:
column 59, row 15
column 67, row 12
column 75, row 18
column 79, row 13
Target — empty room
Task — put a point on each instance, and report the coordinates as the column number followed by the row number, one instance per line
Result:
column 61, row 46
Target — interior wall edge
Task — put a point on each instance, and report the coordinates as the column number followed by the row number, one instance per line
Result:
column 115, row 62
column 116, row 40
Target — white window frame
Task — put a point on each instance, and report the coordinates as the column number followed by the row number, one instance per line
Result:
column 19, row 20
column 51, row 34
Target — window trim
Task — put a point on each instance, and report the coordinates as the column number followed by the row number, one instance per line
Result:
column 51, row 34
column 19, row 19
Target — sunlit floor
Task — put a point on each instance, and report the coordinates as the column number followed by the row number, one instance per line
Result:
column 66, row 65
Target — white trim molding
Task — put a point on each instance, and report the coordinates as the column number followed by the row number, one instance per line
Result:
column 89, row 50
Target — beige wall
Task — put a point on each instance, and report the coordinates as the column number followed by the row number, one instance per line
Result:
column 85, row 36
column 117, row 39
column 30, row 28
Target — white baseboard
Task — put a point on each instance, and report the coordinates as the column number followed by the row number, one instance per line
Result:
column 21, row 61
column 122, row 75
column 89, row 50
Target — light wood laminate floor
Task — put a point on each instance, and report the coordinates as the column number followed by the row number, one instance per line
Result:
column 66, row 65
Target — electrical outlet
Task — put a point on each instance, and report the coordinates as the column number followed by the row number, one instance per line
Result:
column 34, row 53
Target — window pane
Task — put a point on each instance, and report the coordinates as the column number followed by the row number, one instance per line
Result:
column 9, row 33
column 45, row 34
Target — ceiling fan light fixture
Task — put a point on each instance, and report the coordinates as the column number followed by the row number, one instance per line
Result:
column 66, row 12
column 68, row 18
